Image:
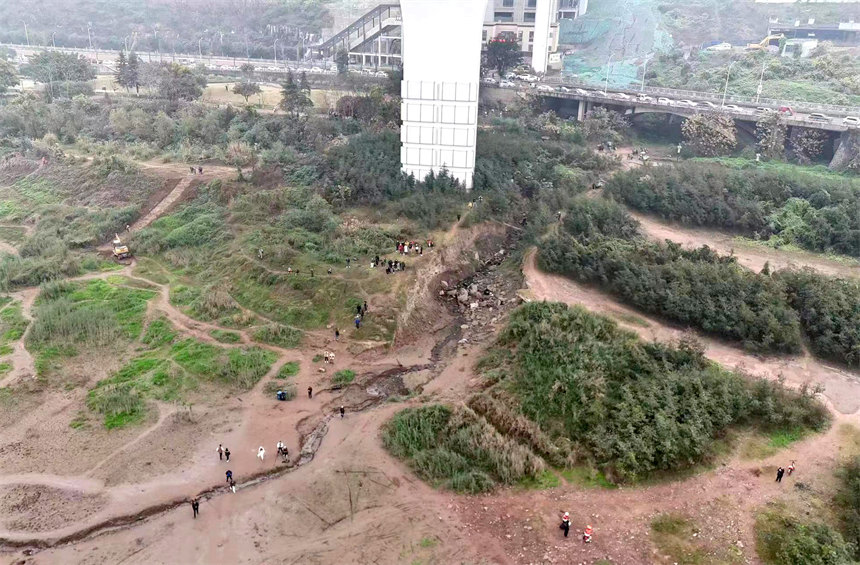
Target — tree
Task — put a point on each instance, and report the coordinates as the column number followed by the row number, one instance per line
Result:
column 770, row 131
column 341, row 59
column 246, row 89
column 50, row 67
column 303, row 83
column 8, row 76
column 247, row 70
column 503, row 54
column 710, row 135
column 134, row 71
column 807, row 143
column 601, row 124
column 121, row 74
column 293, row 98
column 176, row 82
column 240, row 154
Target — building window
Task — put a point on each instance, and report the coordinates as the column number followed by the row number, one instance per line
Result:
column 531, row 4
column 503, row 16
column 531, row 36
column 520, row 37
column 507, row 3
column 529, row 17
column 484, row 36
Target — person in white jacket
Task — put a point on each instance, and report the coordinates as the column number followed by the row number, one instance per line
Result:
column 261, row 453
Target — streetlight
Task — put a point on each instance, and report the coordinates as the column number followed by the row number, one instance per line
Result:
column 726, row 87
column 608, row 66
column 760, row 80
column 275, row 49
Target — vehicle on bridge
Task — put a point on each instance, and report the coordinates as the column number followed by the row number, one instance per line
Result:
column 851, row 121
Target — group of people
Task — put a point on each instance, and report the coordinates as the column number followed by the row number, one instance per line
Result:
column 328, row 357
column 587, row 533
column 405, row 247
column 780, row 472
column 197, row 171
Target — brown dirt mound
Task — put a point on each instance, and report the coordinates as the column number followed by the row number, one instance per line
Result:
column 39, row 508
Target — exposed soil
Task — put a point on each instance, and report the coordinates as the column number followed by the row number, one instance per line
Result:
column 40, row 508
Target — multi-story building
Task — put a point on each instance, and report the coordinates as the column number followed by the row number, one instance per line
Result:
column 515, row 19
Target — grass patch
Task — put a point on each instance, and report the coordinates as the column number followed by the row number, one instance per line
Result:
column 12, row 324
column 542, row 481
column 159, row 332
column 12, row 234
column 226, row 337
column 5, row 367
column 455, row 448
column 784, row 539
column 288, row 369
column 673, row 536
column 279, row 335
column 343, row 377
column 271, row 388
column 317, row 358
column 587, row 477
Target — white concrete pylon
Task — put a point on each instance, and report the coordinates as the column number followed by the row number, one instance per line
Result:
column 540, row 47
column 441, row 76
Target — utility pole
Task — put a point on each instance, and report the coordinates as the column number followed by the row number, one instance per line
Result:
column 199, row 48
column 26, row 32
column 726, row 87
column 90, row 35
column 644, row 68
column 760, row 80
column 53, row 43
column 608, row 66
column 275, row 49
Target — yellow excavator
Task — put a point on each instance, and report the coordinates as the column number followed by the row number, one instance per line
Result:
column 120, row 251
column 770, row 40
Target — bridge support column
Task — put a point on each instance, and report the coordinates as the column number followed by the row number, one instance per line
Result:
column 580, row 110
column 440, row 83
column 846, row 153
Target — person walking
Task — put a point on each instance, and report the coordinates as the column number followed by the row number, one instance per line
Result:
column 358, row 322
column 347, row 262
column 364, row 308
column 233, row 485
column 336, row 334
column 227, row 453
column 342, row 411
column 229, row 474
column 565, row 523
column 779, row 473
column 200, row 169
column 192, row 170
column 586, row 535
column 791, row 468
column 261, row 453
column 310, row 392
column 220, row 452
column 279, row 447
column 195, row 506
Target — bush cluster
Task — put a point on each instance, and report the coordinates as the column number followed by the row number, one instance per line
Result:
column 814, row 211
column 629, row 407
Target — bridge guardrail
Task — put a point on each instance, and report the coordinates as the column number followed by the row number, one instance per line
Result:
column 697, row 95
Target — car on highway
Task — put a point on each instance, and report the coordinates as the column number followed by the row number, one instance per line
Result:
column 851, row 121
column 733, row 108
column 527, row 78
column 316, row 70
column 563, row 89
column 644, row 98
column 545, row 88
column 665, row 101
column 817, row 117
column 489, row 80
column 508, row 84
column 710, row 104
column 582, row 91
column 619, row 95
column 688, row 103
column 764, row 110
column 787, row 110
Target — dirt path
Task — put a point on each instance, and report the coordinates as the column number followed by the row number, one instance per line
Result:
column 842, row 388
column 165, row 203
column 748, row 253
column 23, row 365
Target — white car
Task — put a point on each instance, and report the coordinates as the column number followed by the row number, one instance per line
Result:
column 527, row 78
column 545, row 88
column 315, row 70
column 733, row 108
column 507, row 84
column 564, row 89
column 666, row 101
column 489, row 80
column 851, row 121
column 644, row 98
column 689, row 103
column 764, row 110
column 710, row 105
column 620, row 95
column 582, row 91
column 816, row 117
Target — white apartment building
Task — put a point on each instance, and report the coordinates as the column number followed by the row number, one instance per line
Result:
column 516, row 19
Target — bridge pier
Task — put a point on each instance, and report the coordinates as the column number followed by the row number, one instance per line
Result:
column 580, row 110
column 846, row 154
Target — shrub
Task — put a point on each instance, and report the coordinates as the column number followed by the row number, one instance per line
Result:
column 457, row 449
column 629, row 407
column 848, row 502
column 280, row 335
column 782, row 539
column 343, row 377
column 288, row 369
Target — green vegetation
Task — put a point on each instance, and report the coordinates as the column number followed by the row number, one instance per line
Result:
column 848, row 502
column 280, row 335
column 226, row 337
column 783, row 203
column 696, row 287
column 673, row 535
column 288, row 369
column 170, row 370
column 343, row 377
column 783, row 539
column 829, row 311
column 601, row 397
column 12, row 324
column 456, row 449
column 271, row 388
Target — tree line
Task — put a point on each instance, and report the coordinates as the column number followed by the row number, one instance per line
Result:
column 780, row 203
